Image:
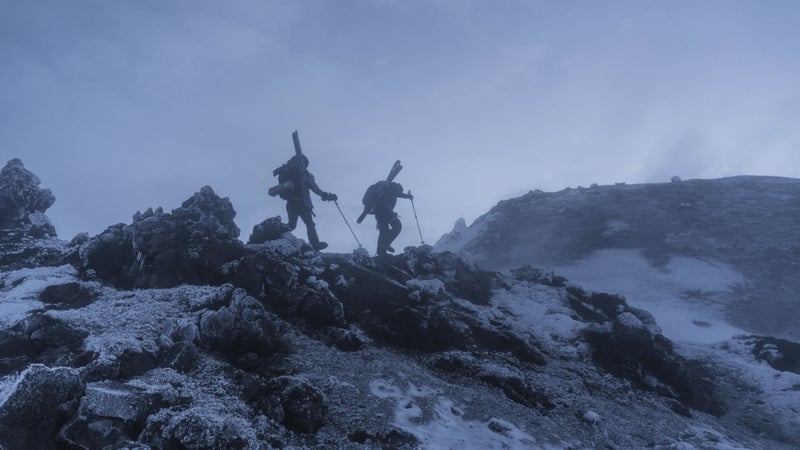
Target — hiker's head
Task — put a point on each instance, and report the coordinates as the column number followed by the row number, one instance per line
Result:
column 302, row 159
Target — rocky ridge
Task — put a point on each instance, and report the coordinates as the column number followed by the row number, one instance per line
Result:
column 170, row 333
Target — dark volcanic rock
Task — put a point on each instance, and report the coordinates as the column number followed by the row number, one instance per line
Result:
column 109, row 254
column 42, row 339
column 195, row 428
column 633, row 349
column 69, row 295
column 304, row 406
column 42, row 401
column 241, row 327
column 408, row 300
column 779, row 353
column 268, row 230
column 159, row 249
column 110, row 414
column 23, row 203
column 27, row 237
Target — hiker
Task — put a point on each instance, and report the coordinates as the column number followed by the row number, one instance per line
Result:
column 295, row 182
column 389, row 226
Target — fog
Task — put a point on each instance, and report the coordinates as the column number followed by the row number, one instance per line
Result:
column 121, row 106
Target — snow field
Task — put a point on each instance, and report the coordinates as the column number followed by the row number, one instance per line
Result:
column 669, row 293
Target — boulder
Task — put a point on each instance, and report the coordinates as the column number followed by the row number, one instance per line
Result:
column 243, row 326
column 41, row 402
column 780, row 354
column 110, row 414
column 68, row 295
column 197, row 428
column 268, row 230
column 304, row 406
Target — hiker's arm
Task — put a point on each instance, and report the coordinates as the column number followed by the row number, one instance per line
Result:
column 408, row 195
column 327, row 196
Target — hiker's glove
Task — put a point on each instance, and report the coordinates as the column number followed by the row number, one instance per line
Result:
column 329, row 197
column 410, row 197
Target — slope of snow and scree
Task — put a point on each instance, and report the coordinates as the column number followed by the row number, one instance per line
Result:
column 169, row 333
column 721, row 254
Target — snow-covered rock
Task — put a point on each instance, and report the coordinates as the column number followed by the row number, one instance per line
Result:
column 23, row 203
column 37, row 406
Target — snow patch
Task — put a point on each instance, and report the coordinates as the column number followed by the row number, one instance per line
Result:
column 685, row 296
column 540, row 311
column 21, row 290
column 439, row 423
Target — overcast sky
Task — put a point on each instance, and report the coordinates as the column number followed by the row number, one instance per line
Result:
column 123, row 105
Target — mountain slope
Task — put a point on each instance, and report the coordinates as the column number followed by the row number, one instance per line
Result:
column 748, row 224
column 170, row 333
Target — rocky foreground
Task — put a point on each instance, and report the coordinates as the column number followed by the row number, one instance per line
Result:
column 169, row 332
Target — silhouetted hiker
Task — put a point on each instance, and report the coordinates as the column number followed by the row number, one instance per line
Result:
column 295, row 182
column 380, row 199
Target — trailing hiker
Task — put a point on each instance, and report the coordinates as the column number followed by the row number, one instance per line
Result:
column 380, row 200
column 294, row 184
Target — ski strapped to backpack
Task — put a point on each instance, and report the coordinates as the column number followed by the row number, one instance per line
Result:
column 293, row 172
column 375, row 191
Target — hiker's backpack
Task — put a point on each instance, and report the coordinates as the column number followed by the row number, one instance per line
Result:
column 287, row 182
column 373, row 196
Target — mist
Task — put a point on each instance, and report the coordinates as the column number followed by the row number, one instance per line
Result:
column 121, row 106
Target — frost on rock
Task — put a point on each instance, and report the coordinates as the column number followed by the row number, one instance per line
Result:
column 34, row 410
column 23, row 203
column 438, row 422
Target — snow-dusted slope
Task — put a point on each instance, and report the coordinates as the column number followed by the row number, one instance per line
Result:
column 748, row 225
column 384, row 394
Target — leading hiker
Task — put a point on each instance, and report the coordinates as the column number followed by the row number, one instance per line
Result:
column 380, row 200
column 294, row 184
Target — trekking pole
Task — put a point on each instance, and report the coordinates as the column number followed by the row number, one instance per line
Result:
column 417, row 219
column 347, row 223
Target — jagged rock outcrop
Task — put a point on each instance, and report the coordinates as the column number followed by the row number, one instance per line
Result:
column 240, row 327
column 41, row 402
column 633, row 348
column 27, row 237
column 23, row 203
column 158, row 249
